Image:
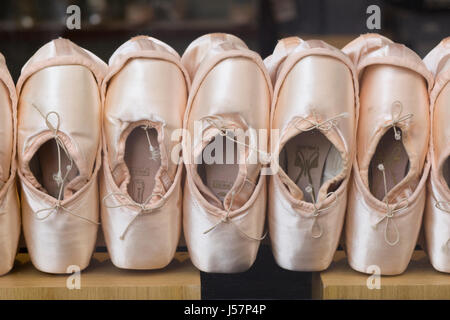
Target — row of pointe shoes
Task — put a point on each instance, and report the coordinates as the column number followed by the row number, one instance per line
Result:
column 376, row 107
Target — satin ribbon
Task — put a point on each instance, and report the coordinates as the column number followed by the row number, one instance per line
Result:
column 397, row 118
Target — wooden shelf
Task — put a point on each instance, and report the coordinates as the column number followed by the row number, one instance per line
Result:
column 101, row 280
column 420, row 281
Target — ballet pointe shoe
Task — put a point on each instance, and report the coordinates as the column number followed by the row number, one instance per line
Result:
column 387, row 192
column 59, row 154
column 145, row 94
column 314, row 111
column 9, row 200
column 224, row 199
column 436, row 221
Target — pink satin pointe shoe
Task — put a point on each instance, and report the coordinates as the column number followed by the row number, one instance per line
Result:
column 225, row 194
column 387, row 195
column 437, row 210
column 314, row 114
column 9, row 201
column 145, row 94
column 59, row 153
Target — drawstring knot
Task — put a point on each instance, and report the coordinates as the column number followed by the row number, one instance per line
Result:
column 226, row 219
column 58, row 207
column 220, row 124
column 316, row 227
column 143, row 209
column 325, row 125
column 397, row 118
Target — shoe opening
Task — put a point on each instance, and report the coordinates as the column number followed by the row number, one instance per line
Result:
column 310, row 160
column 446, row 171
column 219, row 166
column 389, row 164
column 53, row 169
column 143, row 160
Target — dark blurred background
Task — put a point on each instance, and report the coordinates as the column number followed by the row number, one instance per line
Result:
column 25, row 25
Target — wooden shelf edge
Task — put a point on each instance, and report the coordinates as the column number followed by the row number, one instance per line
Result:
column 180, row 280
column 419, row 282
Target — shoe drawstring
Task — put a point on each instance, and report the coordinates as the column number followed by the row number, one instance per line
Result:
column 397, row 118
column 317, row 211
column 224, row 132
column 325, row 125
column 143, row 209
column 228, row 219
column 443, row 206
column 58, row 177
column 314, row 123
column 212, row 120
column 390, row 212
column 155, row 153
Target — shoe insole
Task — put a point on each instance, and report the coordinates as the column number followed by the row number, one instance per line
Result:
column 446, row 171
column 44, row 166
column 220, row 175
column 392, row 154
column 140, row 163
column 310, row 159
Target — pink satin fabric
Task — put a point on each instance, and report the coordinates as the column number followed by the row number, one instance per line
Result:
column 317, row 82
column 436, row 222
column 227, row 79
column 63, row 78
column 9, row 201
column 374, row 236
column 145, row 82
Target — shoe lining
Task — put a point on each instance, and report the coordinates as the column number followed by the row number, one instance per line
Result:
column 310, row 159
column 44, row 167
column 141, row 163
column 220, row 175
column 392, row 155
